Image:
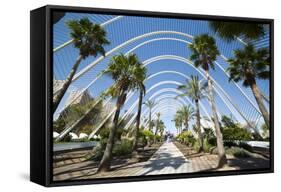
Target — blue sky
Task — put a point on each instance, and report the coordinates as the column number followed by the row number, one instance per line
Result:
column 128, row 27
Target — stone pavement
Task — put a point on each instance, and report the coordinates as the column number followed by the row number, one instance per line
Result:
column 168, row 159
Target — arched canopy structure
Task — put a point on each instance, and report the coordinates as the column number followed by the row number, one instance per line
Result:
column 162, row 47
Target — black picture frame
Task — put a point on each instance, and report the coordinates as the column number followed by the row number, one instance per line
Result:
column 41, row 142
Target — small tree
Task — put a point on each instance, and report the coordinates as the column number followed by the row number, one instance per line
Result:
column 127, row 71
column 90, row 39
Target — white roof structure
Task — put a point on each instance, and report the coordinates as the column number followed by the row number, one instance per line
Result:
column 73, row 136
column 83, row 135
column 55, row 134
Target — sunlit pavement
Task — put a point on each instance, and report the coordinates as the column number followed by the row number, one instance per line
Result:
column 168, row 159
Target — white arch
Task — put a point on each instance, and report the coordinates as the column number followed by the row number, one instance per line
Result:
column 187, row 42
column 71, row 40
column 157, row 58
column 147, row 62
column 134, row 116
column 203, row 75
column 94, row 63
column 171, row 96
column 156, row 39
column 166, row 90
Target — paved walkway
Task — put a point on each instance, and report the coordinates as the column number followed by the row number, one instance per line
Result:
column 167, row 160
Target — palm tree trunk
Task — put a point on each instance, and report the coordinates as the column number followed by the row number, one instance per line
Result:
column 156, row 130
column 260, row 103
column 135, row 143
column 221, row 152
column 150, row 127
column 60, row 94
column 105, row 162
column 200, row 138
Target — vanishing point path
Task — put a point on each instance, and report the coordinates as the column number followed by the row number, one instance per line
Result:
column 167, row 160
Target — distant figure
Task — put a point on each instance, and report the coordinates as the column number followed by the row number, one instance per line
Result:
column 168, row 139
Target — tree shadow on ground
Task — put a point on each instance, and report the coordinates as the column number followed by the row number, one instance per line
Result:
column 162, row 161
column 248, row 163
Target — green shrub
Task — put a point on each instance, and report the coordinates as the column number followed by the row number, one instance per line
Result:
column 213, row 150
column 67, row 138
column 229, row 144
column 212, row 141
column 142, row 138
column 236, row 133
column 238, row 152
column 191, row 141
column 196, row 146
column 148, row 136
column 186, row 137
column 245, row 146
column 59, row 125
column 207, row 146
column 94, row 139
column 96, row 154
column 123, row 148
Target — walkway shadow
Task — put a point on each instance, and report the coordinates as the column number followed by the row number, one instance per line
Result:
column 248, row 163
column 163, row 160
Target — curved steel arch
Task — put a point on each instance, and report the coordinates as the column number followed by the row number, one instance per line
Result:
column 151, row 88
column 163, row 108
column 204, row 76
column 71, row 40
column 111, row 21
column 166, row 90
column 187, row 42
column 111, row 113
column 179, row 92
column 159, row 73
column 171, row 96
column 169, row 57
column 132, row 40
column 134, row 116
column 202, row 120
column 157, row 58
column 94, row 63
column 164, row 96
column 149, row 34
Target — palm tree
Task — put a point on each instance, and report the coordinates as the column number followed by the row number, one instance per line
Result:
column 141, row 88
column 127, row 72
column 150, row 104
column 195, row 89
column 186, row 113
column 204, row 54
column 231, row 30
column 157, row 123
column 248, row 65
column 89, row 38
column 178, row 123
column 161, row 128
